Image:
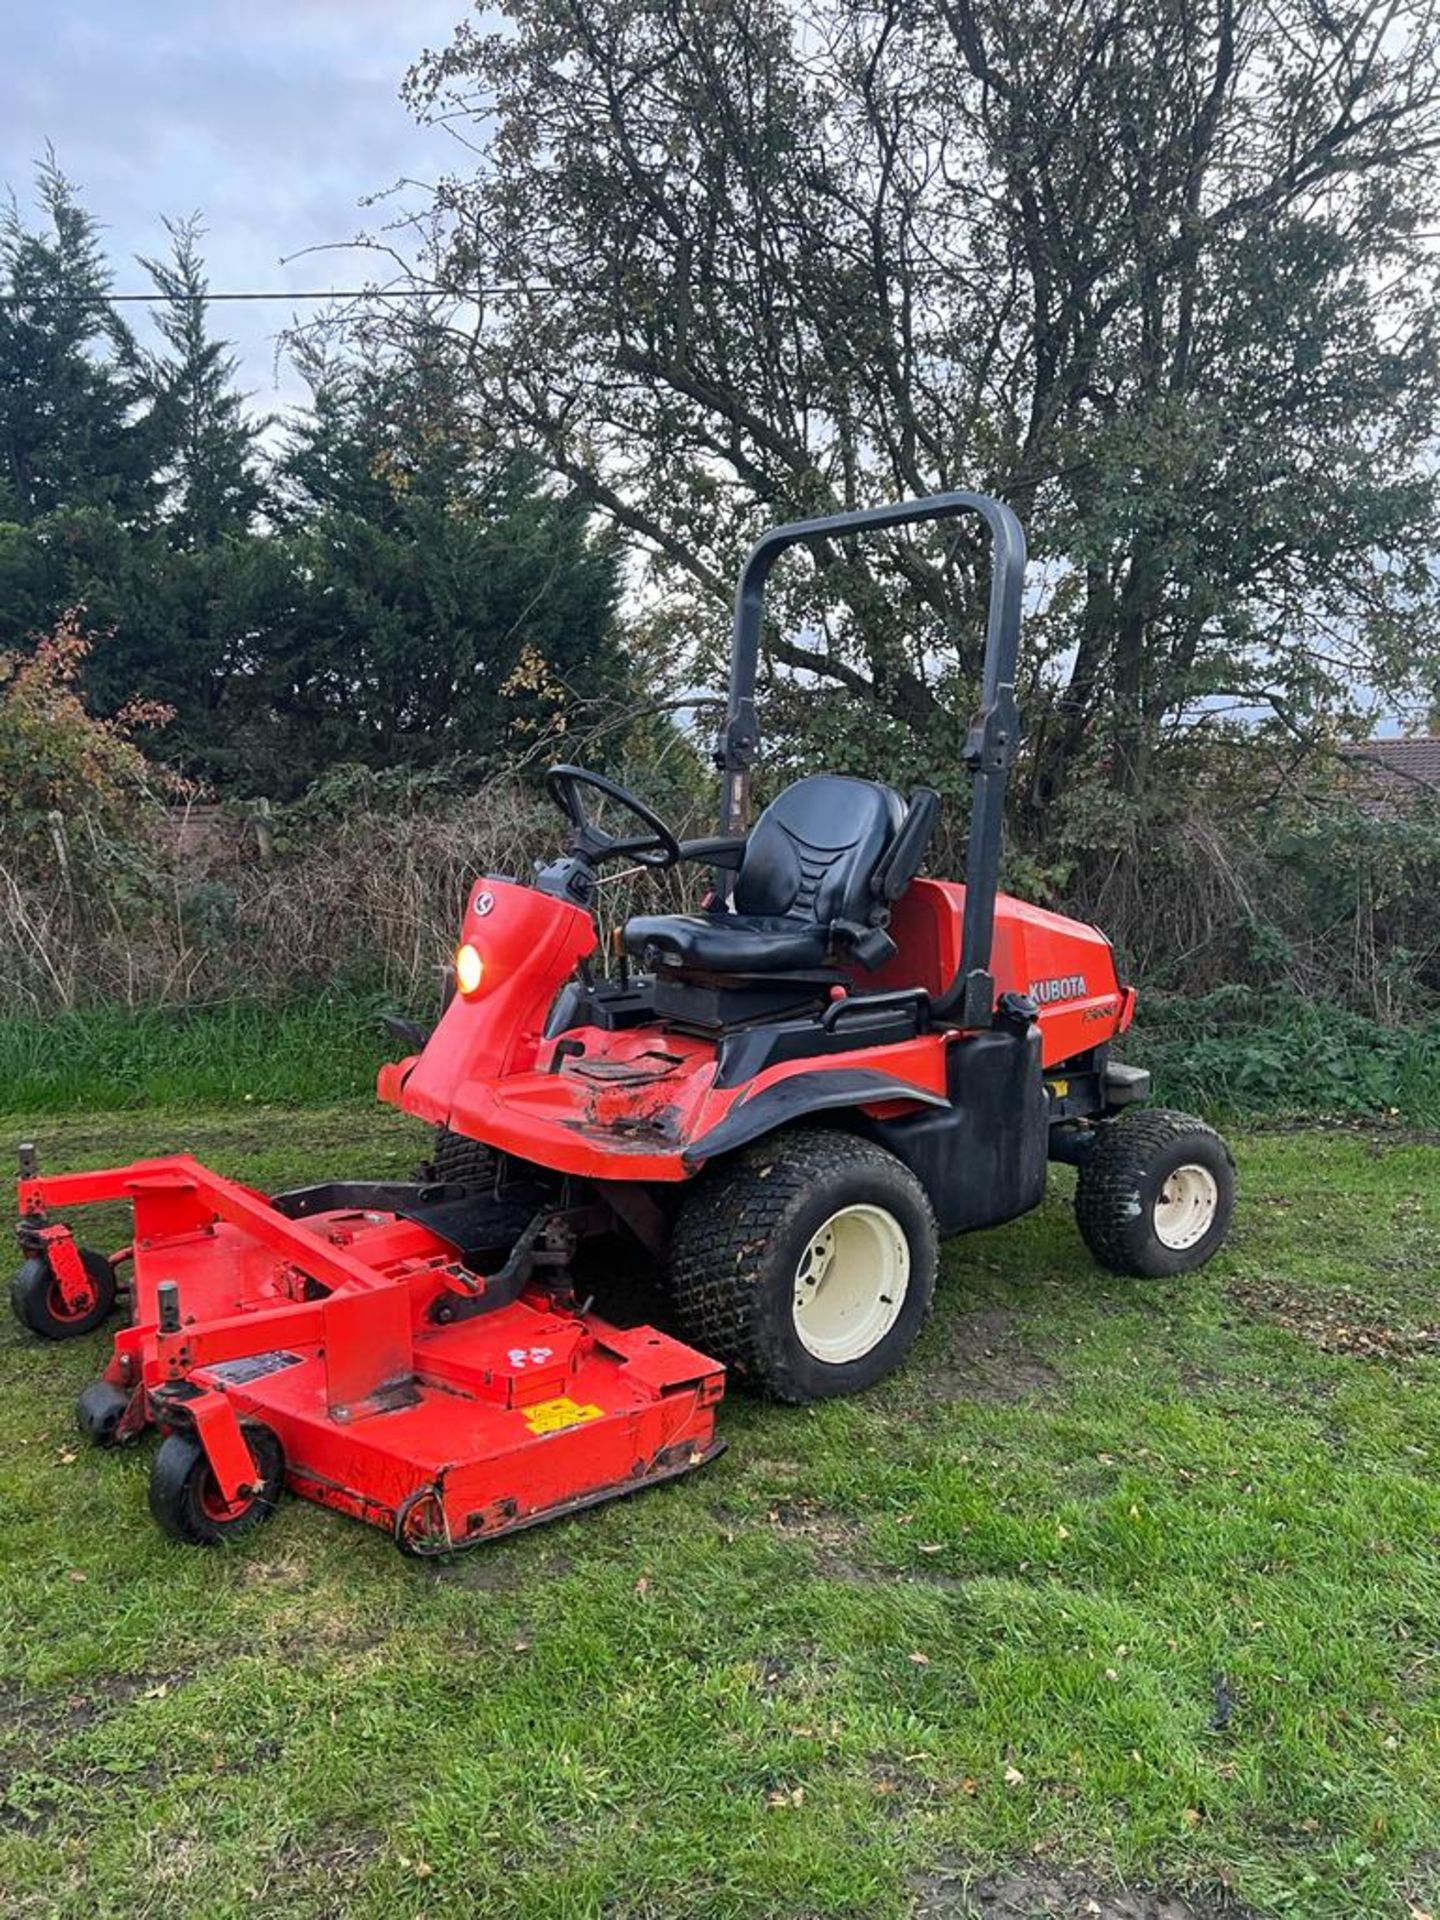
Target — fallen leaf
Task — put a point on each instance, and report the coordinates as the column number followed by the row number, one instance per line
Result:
column 76, row 1575
column 1062, row 1533
column 920, row 1659
column 642, row 1585
column 1014, row 1777
column 1191, row 1816
column 794, row 1797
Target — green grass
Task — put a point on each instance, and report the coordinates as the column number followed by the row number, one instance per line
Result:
column 973, row 1618
column 108, row 1060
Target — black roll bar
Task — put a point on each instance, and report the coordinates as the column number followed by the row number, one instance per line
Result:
column 989, row 746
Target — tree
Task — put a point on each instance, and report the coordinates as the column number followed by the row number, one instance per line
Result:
column 212, row 479
column 77, row 426
column 1159, row 274
column 442, row 606
column 59, row 764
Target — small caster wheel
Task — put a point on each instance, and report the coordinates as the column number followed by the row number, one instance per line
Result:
column 99, row 1411
column 186, row 1499
column 39, row 1305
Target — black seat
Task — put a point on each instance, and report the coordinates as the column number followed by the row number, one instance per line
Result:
column 804, row 891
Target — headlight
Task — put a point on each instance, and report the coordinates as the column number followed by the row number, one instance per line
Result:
column 469, row 970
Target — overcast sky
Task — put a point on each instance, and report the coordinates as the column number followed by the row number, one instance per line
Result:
column 271, row 120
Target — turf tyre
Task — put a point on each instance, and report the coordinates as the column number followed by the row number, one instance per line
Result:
column 461, row 1161
column 185, row 1500
column 742, row 1233
column 1122, row 1186
column 38, row 1304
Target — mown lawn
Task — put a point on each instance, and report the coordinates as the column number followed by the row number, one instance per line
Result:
column 1118, row 1585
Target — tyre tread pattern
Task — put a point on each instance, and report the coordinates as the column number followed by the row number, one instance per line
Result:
column 458, row 1158
column 1107, row 1190
column 731, row 1221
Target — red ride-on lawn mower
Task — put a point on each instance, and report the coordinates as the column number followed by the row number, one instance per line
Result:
column 784, row 1099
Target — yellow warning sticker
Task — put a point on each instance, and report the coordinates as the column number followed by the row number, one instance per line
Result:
column 553, row 1416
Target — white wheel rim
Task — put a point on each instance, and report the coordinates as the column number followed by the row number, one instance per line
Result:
column 850, row 1284
column 1185, row 1207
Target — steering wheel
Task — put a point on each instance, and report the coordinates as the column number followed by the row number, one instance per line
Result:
column 656, row 848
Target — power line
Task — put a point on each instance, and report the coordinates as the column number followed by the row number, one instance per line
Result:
column 304, row 293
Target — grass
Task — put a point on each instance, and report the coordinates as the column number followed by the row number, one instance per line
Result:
column 109, row 1060
column 984, row 1619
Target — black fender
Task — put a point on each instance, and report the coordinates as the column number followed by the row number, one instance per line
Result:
column 799, row 1094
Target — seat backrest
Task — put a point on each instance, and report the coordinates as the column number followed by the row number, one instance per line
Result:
column 814, row 849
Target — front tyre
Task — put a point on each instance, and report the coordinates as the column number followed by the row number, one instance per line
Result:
column 806, row 1264
column 459, row 1160
column 1156, row 1194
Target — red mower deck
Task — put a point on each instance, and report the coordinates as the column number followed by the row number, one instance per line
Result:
column 401, row 1386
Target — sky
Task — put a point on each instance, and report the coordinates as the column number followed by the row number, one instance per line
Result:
column 270, row 120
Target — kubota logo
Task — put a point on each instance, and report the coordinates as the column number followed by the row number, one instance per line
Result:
column 1065, row 986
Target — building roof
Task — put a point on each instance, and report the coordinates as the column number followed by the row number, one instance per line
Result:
column 1412, row 762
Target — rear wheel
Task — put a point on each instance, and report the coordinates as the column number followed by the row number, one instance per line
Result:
column 1156, row 1194
column 38, row 1303
column 185, row 1497
column 807, row 1264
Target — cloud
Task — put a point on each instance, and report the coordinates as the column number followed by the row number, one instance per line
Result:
column 271, row 118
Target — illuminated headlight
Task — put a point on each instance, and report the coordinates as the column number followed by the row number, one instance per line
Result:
column 469, row 970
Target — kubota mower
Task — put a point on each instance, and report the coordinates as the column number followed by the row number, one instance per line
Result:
column 783, row 1099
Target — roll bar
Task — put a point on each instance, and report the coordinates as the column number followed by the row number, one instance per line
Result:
column 989, row 745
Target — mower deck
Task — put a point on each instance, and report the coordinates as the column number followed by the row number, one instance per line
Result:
column 444, row 1401
column 505, row 1421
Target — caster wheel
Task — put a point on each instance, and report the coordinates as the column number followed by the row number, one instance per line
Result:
column 39, row 1305
column 99, row 1411
column 186, row 1500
